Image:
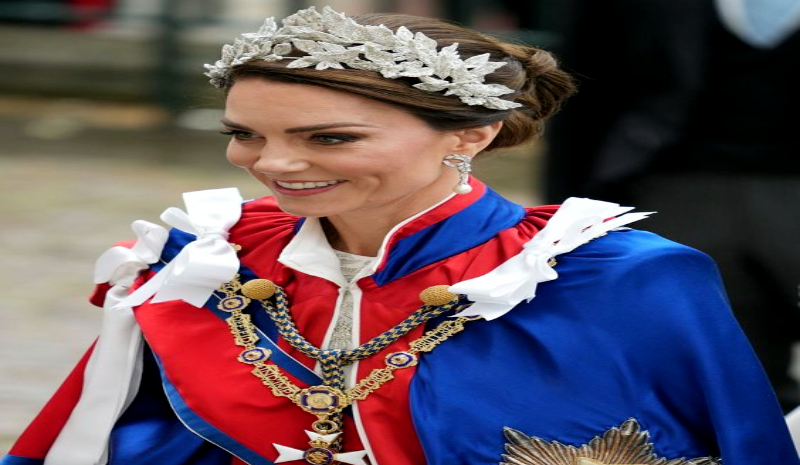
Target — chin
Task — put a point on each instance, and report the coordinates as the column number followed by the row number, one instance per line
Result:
column 305, row 210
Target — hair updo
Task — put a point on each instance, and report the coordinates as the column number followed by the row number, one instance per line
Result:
column 539, row 84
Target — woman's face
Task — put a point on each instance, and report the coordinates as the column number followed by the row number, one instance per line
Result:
column 332, row 154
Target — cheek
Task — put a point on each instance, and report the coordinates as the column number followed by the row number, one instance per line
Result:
column 409, row 166
column 238, row 155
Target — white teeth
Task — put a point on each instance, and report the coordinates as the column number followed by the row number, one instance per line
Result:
column 306, row 185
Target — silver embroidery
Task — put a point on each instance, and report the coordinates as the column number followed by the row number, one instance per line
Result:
column 622, row 445
column 351, row 266
column 331, row 40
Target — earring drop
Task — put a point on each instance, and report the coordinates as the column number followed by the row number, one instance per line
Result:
column 463, row 164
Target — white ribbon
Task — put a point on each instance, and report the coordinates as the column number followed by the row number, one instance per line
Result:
column 113, row 372
column 577, row 222
column 205, row 263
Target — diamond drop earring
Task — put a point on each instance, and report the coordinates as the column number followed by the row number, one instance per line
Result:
column 463, row 164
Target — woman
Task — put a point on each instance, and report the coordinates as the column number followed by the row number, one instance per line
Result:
column 384, row 307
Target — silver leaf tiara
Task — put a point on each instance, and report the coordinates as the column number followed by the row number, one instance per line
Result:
column 331, row 40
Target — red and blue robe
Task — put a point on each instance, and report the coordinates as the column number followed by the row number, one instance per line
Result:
column 635, row 327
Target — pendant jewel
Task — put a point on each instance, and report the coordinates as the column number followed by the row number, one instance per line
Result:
column 321, row 400
column 318, row 456
column 320, row 452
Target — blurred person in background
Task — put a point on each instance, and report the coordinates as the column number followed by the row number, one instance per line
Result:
column 385, row 307
column 79, row 14
column 688, row 108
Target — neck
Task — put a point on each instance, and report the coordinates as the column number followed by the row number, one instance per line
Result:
column 355, row 237
column 364, row 234
column 363, row 231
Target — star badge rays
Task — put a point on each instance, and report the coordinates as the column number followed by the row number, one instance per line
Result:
column 626, row 444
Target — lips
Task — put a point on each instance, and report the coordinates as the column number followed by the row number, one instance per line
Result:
column 304, row 188
column 306, row 184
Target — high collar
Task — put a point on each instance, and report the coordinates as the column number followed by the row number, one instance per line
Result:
column 456, row 224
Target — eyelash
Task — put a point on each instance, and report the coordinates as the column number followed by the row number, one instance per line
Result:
column 337, row 138
column 239, row 135
column 332, row 139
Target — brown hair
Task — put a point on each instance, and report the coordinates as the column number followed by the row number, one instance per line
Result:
column 539, row 84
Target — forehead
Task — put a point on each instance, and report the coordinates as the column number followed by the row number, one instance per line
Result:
column 299, row 103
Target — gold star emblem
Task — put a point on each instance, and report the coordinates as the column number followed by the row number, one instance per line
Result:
column 626, row 444
column 585, row 461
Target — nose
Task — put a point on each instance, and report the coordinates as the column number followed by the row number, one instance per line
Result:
column 271, row 158
column 277, row 160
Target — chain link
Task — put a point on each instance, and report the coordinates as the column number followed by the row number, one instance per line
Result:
column 331, row 361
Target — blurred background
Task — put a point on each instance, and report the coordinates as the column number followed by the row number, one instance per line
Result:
column 105, row 118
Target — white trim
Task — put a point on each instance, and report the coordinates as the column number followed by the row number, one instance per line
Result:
column 309, row 252
column 384, row 245
column 362, row 432
column 351, row 376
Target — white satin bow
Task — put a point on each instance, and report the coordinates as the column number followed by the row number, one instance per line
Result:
column 577, row 222
column 113, row 373
column 205, row 263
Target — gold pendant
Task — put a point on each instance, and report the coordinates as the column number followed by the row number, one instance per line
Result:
column 322, row 400
column 320, row 452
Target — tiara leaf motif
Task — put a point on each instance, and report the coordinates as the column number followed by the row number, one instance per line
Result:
column 332, row 40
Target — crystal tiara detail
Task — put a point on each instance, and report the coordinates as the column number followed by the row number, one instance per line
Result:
column 331, row 40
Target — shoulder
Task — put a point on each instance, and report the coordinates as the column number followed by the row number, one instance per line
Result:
column 642, row 261
column 264, row 209
column 261, row 223
column 634, row 250
column 263, row 230
column 638, row 280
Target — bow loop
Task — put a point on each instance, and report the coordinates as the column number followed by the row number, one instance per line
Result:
column 200, row 268
column 179, row 219
column 577, row 222
column 120, row 266
column 205, row 263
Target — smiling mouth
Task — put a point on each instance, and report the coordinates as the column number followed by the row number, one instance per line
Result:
column 306, row 185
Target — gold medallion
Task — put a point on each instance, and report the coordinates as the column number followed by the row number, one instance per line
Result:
column 254, row 355
column 321, row 400
column 233, row 303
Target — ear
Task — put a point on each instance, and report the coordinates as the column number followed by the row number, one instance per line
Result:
column 472, row 140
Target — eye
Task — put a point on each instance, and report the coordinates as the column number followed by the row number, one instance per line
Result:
column 239, row 135
column 333, row 139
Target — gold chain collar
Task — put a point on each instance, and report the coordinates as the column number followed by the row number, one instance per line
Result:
column 325, row 401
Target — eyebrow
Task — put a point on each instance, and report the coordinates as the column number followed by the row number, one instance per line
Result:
column 301, row 129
